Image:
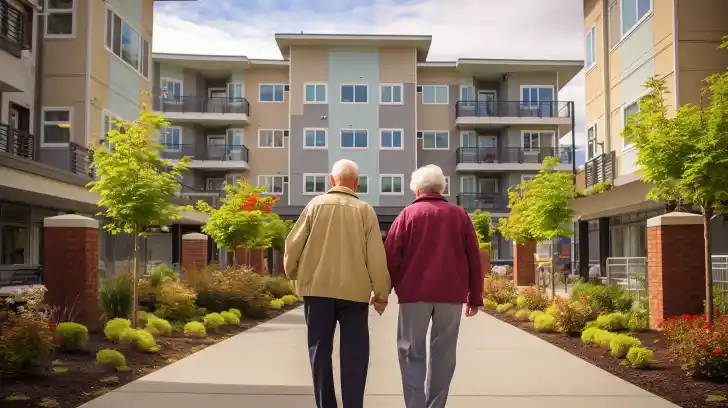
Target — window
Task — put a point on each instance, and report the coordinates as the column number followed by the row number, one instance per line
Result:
column 591, row 142
column 390, row 94
column 314, row 93
column 537, row 95
column 314, row 184
column 355, row 138
column 633, row 11
column 447, row 186
column 56, row 126
column 390, row 138
column 527, row 177
column 591, row 47
column 171, row 138
column 235, row 92
column 59, row 18
column 273, row 184
column 171, row 90
column 107, row 126
column 271, row 92
column 235, row 140
column 435, row 95
column 629, row 111
column 354, row 93
column 270, row 138
column 391, row 184
column 432, row 140
column 314, row 138
column 126, row 43
column 363, row 185
column 531, row 140
column 215, row 184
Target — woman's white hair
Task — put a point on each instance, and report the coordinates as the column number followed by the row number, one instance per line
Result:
column 428, row 180
column 345, row 170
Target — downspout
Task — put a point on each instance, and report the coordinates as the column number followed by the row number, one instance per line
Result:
column 606, row 85
column 89, row 43
column 37, row 96
column 675, row 52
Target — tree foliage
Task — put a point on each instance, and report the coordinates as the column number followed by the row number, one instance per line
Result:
column 541, row 208
column 482, row 221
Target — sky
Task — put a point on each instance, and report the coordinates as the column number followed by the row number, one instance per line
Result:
column 513, row 29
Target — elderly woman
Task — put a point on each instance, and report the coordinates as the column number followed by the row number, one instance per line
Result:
column 434, row 263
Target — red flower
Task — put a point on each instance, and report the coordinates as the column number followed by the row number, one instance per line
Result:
column 686, row 317
column 659, row 325
column 702, row 315
column 707, row 325
column 702, row 346
column 719, row 351
column 52, row 325
column 57, row 340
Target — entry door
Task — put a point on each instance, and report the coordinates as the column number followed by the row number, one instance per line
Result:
column 216, row 147
column 488, row 186
column 216, row 100
column 486, row 103
column 488, row 148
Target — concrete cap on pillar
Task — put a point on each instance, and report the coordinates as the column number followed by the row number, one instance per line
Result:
column 194, row 236
column 70, row 221
column 675, row 218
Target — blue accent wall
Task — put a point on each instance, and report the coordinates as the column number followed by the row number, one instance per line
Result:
column 124, row 82
column 355, row 66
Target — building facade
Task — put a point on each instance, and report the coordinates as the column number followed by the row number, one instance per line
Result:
column 628, row 42
column 374, row 99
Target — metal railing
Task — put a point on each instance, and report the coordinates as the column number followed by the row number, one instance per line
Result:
column 211, row 197
column 513, row 154
column 17, row 142
column 482, row 201
column 600, row 169
column 629, row 273
column 220, row 152
column 12, row 29
column 80, row 160
column 720, row 276
column 516, row 109
column 198, row 104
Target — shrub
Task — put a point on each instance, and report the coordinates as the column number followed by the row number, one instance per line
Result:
column 111, row 358
column 521, row 302
column 621, row 343
column 116, row 296
column 533, row 315
column 699, row 347
column 230, row 318
column 544, row 322
column 158, row 326
column 571, row 316
column 141, row 339
column 236, row 312
column 71, row 336
column 176, row 301
column 26, row 341
column 276, row 304
column 289, row 300
column 523, row 315
column 612, row 321
column 235, row 288
column 589, row 335
column 551, row 310
column 278, row 286
column 195, row 329
column 143, row 317
column 533, row 299
column 160, row 274
column 604, row 338
column 115, row 327
column 499, row 289
column 504, row 308
column 489, row 304
column 603, row 298
column 213, row 321
column 640, row 357
column 638, row 321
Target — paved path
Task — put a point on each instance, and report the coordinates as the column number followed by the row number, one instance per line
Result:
column 267, row 367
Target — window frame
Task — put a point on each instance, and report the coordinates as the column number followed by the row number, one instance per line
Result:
column 164, row 134
column 595, row 127
column 283, row 137
column 143, row 57
column 435, row 132
column 401, row 139
column 625, row 34
column 447, row 94
column 628, row 147
column 44, row 122
column 273, row 176
column 590, row 39
column 177, row 100
column 260, row 94
column 354, row 85
column 315, row 84
column 391, row 85
column 107, row 114
column 51, row 11
column 525, row 177
column 540, row 133
column 382, row 176
column 326, row 138
column 447, row 191
column 341, row 139
column 366, row 176
column 209, row 179
column 303, row 187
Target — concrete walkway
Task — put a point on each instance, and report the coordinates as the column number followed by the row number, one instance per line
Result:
column 267, row 367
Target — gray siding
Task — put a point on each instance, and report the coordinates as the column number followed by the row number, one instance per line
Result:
column 308, row 160
column 399, row 161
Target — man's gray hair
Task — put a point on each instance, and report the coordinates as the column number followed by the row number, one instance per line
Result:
column 428, row 180
column 345, row 170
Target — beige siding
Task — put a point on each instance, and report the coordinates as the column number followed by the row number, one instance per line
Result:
column 437, row 117
column 99, row 73
column 397, row 65
column 147, row 32
column 594, row 78
column 664, row 58
column 308, row 64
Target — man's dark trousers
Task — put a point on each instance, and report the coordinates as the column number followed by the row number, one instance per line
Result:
column 322, row 314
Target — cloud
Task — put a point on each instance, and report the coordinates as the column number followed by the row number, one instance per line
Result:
column 519, row 29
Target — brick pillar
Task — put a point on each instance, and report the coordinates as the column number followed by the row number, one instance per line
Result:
column 675, row 266
column 257, row 260
column 485, row 260
column 194, row 251
column 524, row 266
column 279, row 264
column 70, row 265
column 241, row 257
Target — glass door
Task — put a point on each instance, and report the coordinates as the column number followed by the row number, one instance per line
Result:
column 486, row 103
column 216, row 147
column 488, row 149
column 468, row 192
column 235, row 93
column 235, row 143
column 468, row 101
column 468, row 146
column 538, row 100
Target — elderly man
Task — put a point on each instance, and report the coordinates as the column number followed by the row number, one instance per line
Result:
column 434, row 262
column 336, row 253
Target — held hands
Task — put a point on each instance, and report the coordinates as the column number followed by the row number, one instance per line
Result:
column 379, row 305
column 470, row 311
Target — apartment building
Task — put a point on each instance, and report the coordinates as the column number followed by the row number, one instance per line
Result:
column 375, row 99
column 627, row 42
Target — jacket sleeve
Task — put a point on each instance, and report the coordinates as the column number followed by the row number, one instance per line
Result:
column 476, row 275
column 295, row 243
column 376, row 257
column 394, row 247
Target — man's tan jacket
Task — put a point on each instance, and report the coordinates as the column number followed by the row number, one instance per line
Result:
column 335, row 250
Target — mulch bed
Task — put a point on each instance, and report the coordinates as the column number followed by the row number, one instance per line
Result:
column 84, row 381
column 665, row 379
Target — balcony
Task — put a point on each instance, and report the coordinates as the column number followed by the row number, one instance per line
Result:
column 17, row 142
column 600, row 169
column 509, row 113
column 491, row 202
column 211, row 197
column 205, row 111
column 13, row 27
column 510, row 158
column 80, row 159
column 211, row 157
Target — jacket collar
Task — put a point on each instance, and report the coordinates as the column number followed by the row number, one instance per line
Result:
column 429, row 197
column 342, row 190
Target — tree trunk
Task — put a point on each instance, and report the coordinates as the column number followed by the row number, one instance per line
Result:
column 707, row 215
column 135, row 295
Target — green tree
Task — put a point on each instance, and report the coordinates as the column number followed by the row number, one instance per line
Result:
column 483, row 223
column 134, row 183
column 684, row 156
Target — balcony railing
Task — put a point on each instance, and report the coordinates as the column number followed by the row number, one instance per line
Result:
column 211, row 197
column 483, row 201
column 600, row 169
column 80, row 160
column 197, row 104
column 12, row 29
column 514, row 109
column 512, row 154
column 207, row 152
column 17, row 142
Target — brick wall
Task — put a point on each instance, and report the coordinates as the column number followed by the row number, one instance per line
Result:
column 194, row 251
column 254, row 258
column 485, row 260
column 524, row 266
